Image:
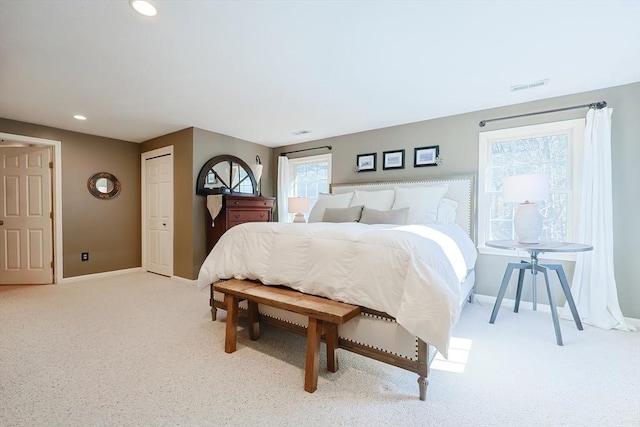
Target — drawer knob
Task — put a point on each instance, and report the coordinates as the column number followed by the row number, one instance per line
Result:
column 236, row 202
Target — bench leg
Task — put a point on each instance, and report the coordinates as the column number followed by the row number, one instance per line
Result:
column 312, row 362
column 214, row 312
column 331, row 338
column 231, row 335
column 254, row 320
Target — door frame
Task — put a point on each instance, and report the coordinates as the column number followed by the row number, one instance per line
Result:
column 56, row 187
column 163, row 151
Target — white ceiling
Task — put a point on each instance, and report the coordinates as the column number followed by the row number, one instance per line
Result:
column 261, row 70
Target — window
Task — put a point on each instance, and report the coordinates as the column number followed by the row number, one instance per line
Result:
column 310, row 176
column 552, row 148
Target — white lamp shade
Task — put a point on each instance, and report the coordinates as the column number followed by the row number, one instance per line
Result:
column 525, row 188
column 298, row 205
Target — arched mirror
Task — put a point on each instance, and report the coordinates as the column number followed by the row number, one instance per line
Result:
column 103, row 185
column 226, row 175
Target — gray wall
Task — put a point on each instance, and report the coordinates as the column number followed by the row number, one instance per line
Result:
column 457, row 137
column 108, row 229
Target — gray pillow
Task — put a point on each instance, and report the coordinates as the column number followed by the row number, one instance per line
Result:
column 351, row 214
column 374, row 216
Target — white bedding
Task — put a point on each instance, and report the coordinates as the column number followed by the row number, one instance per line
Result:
column 412, row 272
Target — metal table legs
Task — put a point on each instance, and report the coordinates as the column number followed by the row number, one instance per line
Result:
column 535, row 267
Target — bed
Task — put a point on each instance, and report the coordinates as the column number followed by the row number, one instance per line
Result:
column 409, row 279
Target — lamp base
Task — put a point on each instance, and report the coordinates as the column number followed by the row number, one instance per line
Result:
column 299, row 218
column 528, row 223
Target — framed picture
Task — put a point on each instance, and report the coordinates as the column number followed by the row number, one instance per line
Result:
column 366, row 162
column 393, row 159
column 426, row 156
column 212, row 179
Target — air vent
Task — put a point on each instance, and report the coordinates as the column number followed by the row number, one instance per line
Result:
column 301, row 132
column 529, row 85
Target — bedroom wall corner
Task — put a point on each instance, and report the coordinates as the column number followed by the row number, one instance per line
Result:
column 183, row 193
column 207, row 144
column 108, row 229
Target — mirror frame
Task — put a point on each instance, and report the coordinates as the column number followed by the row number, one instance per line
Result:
column 93, row 180
column 201, row 190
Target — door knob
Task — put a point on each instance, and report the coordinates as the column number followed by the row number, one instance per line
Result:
column 1, row 222
column 164, row 224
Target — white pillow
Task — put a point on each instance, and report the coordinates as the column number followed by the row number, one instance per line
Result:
column 447, row 211
column 381, row 200
column 328, row 201
column 422, row 202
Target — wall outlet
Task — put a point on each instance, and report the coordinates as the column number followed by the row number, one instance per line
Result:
column 85, row 256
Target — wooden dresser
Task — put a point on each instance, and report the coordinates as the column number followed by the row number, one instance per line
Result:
column 237, row 209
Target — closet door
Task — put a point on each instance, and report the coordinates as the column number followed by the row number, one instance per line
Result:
column 159, row 214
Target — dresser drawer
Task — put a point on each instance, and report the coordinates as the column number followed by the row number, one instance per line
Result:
column 249, row 203
column 247, row 216
column 238, row 209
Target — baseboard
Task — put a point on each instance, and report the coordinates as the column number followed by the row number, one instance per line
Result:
column 510, row 303
column 183, row 280
column 101, row 275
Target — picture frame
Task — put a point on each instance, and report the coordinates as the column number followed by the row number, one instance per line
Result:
column 212, row 179
column 426, row 156
column 366, row 162
column 393, row 160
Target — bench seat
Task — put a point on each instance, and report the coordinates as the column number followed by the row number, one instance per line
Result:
column 324, row 317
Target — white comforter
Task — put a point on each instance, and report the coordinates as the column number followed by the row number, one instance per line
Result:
column 412, row 272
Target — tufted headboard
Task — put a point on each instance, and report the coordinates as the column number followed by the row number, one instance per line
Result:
column 462, row 189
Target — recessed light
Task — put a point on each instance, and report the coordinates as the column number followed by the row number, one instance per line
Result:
column 79, row 117
column 143, row 7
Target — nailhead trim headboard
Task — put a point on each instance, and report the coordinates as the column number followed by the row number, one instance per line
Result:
column 462, row 189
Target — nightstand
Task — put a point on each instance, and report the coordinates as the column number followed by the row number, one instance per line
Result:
column 535, row 267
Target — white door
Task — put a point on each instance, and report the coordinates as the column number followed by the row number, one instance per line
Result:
column 26, row 253
column 159, row 214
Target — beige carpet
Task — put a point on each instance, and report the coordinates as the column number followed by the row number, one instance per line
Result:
column 141, row 350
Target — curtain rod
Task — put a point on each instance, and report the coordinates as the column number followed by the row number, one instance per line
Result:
column 594, row 105
column 306, row 149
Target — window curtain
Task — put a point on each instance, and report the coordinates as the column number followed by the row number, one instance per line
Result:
column 594, row 284
column 283, row 188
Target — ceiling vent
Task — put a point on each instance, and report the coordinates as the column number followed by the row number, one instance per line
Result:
column 301, row 132
column 529, row 85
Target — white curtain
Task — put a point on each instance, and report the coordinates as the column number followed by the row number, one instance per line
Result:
column 283, row 188
column 594, row 284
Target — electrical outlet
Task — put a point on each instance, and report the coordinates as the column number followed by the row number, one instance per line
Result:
column 85, row 256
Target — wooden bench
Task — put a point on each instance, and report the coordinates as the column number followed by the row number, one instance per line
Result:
column 324, row 317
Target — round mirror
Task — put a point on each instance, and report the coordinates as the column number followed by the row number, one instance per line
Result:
column 225, row 175
column 103, row 185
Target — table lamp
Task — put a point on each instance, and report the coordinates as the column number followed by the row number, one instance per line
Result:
column 526, row 190
column 298, row 206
